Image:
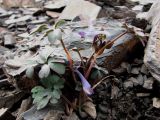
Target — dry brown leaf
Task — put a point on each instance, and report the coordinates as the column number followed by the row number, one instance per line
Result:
column 90, row 109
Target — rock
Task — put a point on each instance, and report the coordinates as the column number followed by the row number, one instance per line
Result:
column 18, row 3
column 48, row 113
column 134, row 80
column 9, row 98
column 87, row 9
column 16, row 20
column 156, row 102
column 103, row 108
column 148, row 84
column 9, row 40
column 127, row 66
column 143, row 94
column 152, row 52
column 119, row 70
column 140, row 79
column 56, row 4
column 135, row 71
column 128, row 84
column 5, row 114
column 53, row 14
column 25, row 105
column 144, row 70
column 114, row 92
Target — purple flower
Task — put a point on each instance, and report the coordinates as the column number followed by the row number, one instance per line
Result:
column 86, row 86
column 82, row 34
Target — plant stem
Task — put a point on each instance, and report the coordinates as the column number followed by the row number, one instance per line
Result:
column 70, row 60
column 94, row 56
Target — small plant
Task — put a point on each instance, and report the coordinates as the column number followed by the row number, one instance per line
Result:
column 50, row 92
column 64, row 78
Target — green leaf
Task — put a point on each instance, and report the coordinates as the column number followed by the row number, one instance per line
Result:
column 42, row 103
column 53, row 101
column 60, row 23
column 97, row 74
column 54, row 35
column 44, row 72
column 37, row 89
column 30, row 72
column 57, row 67
column 39, row 28
column 56, row 94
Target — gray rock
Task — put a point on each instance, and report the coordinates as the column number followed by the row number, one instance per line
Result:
column 152, row 52
column 134, row 80
column 135, row 71
column 140, row 79
column 144, row 70
column 103, row 108
column 128, row 84
column 148, row 84
column 9, row 39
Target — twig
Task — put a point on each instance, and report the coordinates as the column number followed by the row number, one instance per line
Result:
column 102, row 81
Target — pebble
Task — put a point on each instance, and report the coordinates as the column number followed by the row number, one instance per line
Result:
column 148, row 84
column 128, row 84
column 135, row 71
column 103, row 108
column 144, row 70
column 140, row 79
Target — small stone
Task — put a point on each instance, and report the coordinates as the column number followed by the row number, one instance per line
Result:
column 156, row 102
column 101, row 116
column 140, row 79
column 9, row 39
column 148, row 84
column 143, row 94
column 128, row 84
column 138, row 61
column 119, row 70
column 114, row 92
column 83, row 114
column 103, row 108
column 135, row 71
column 134, row 80
column 144, row 70
column 126, row 66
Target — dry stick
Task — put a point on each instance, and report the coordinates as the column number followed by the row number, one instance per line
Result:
column 100, row 51
column 102, row 81
column 70, row 60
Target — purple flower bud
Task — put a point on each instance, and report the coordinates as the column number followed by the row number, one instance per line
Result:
column 82, row 34
column 86, row 86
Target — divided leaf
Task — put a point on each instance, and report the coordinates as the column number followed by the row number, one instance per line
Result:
column 41, row 104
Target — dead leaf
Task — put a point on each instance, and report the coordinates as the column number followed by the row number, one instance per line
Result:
column 90, row 109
